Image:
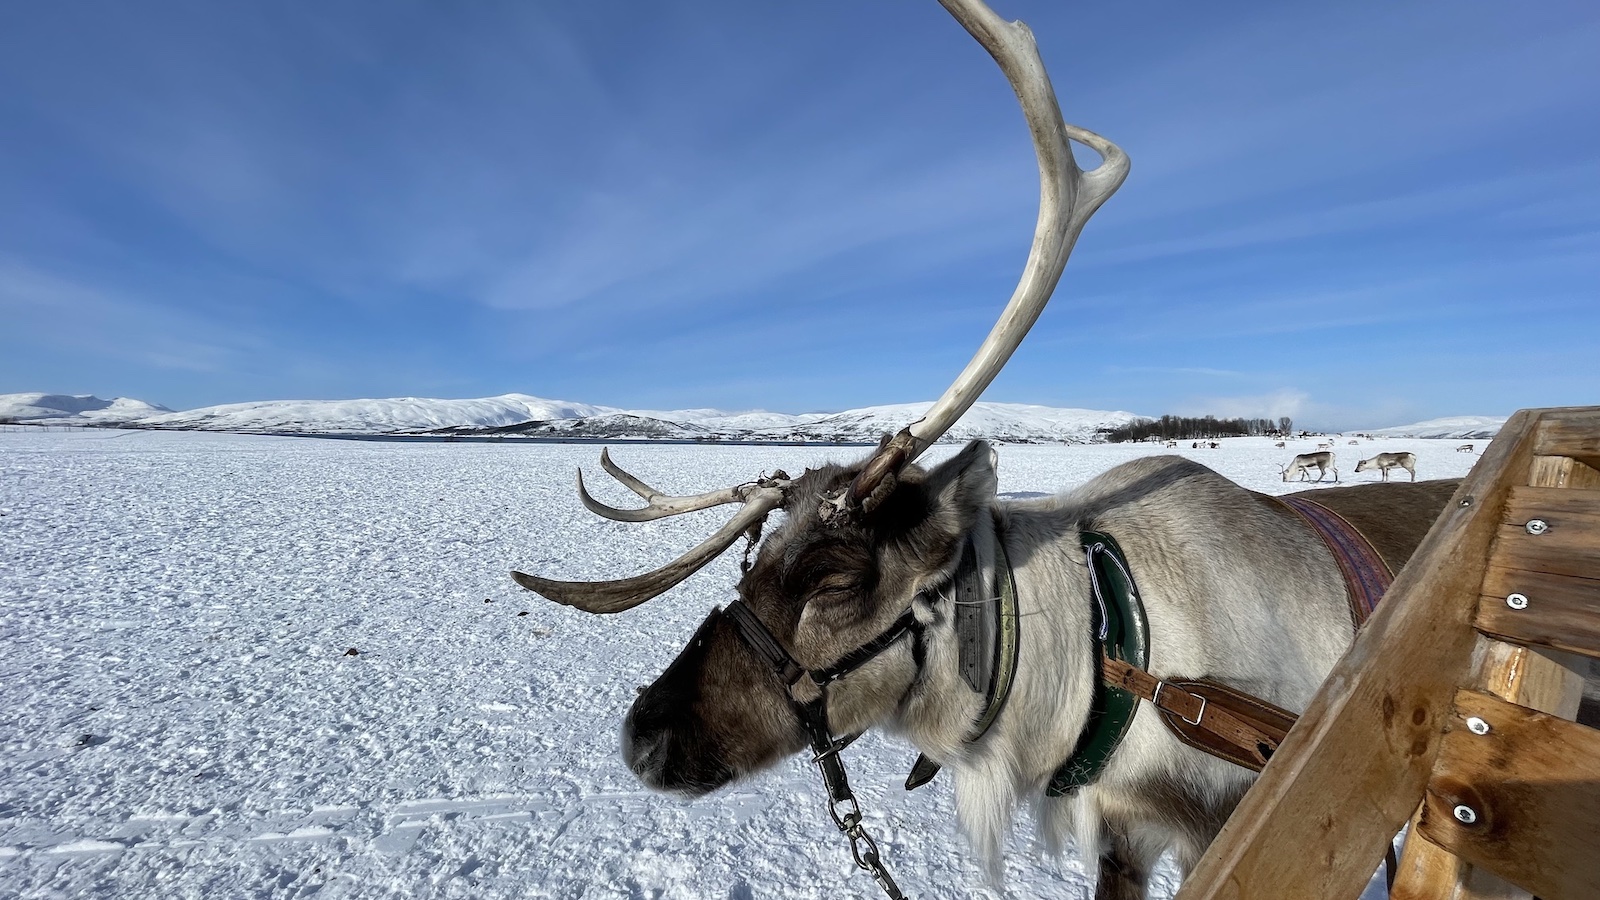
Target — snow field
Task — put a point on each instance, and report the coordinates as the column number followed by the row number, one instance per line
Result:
column 180, row 715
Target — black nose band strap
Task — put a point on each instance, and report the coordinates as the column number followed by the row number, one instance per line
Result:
column 763, row 644
column 760, row 640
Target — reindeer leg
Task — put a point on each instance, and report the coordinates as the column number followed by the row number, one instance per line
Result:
column 1123, row 873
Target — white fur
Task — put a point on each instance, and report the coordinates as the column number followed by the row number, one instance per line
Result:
column 1232, row 591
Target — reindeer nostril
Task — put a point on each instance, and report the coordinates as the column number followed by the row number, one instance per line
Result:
column 645, row 753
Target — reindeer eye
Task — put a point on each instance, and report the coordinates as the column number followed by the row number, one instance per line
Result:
column 834, row 588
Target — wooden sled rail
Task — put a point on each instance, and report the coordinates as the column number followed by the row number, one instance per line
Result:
column 1453, row 708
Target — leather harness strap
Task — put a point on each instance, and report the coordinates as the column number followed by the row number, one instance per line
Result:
column 1366, row 575
column 988, row 642
column 1231, row 724
column 1208, row 716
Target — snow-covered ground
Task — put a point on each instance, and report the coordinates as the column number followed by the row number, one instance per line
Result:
column 181, row 716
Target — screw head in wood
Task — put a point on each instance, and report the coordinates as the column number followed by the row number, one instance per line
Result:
column 1517, row 601
column 1477, row 725
column 1537, row 526
column 1466, row 815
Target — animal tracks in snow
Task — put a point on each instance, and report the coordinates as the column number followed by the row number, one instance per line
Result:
column 391, row 830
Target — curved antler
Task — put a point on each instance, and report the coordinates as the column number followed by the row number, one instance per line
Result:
column 626, row 593
column 1068, row 196
column 661, row 505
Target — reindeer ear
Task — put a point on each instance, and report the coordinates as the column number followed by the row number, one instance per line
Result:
column 958, row 491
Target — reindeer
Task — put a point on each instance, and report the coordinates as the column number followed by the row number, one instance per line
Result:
column 849, row 613
column 1387, row 461
column 1464, row 448
column 1301, row 465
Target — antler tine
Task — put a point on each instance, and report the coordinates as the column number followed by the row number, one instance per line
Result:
column 661, row 505
column 626, row 593
column 1068, row 196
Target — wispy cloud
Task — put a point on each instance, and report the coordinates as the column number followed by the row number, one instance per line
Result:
column 43, row 310
column 1289, row 402
column 794, row 208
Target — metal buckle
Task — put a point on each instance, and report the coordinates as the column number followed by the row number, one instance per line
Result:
column 1197, row 716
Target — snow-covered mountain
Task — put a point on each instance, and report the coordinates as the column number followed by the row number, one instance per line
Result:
column 1013, row 422
column 389, row 416
column 1456, row 427
column 523, row 415
column 78, row 408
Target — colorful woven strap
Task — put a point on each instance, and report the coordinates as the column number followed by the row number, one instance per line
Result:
column 1366, row 576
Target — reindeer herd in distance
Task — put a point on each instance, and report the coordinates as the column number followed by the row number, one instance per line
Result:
column 1322, row 459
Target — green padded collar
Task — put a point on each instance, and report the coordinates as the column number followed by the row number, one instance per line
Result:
column 1121, row 631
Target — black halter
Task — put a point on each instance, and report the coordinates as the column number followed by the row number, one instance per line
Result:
column 813, row 715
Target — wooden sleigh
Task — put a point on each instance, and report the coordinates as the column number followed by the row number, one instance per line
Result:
column 1454, row 708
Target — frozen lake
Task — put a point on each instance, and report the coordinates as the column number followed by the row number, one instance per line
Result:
column 181, row 714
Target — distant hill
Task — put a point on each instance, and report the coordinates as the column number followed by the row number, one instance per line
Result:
column 1454, row 427
column 80, row 408
column 521, row 415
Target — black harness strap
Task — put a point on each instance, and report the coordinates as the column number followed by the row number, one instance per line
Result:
column 813, row 716
column 988, row 641
column 855, row 659
column 760, row 640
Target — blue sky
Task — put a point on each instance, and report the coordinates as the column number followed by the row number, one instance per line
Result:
column 1357, row 214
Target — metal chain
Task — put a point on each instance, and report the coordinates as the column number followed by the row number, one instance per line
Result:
column 862, row 847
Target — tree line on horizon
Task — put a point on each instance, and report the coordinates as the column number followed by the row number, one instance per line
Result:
column 1189, row 428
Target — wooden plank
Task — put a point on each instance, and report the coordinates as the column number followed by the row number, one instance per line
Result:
column 1563, row 509
column 1562, row 611
column 1354, row 768
column 1572, row 431
column 1563, row 472
column 1428, row 871
column 1548, row 681
column 1521, row 675
column 1570, row 541
column 1532, row 678
column 1532, row 784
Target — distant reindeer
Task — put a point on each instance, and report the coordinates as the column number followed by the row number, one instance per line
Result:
column 1387, row 461
column 1464, row 448
column 1280, row 445
column 1353, row 443
column 1302, row 464
column 1325, row 446
column 1172, row 444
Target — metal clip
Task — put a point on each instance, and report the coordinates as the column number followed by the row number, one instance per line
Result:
column 1197, row 716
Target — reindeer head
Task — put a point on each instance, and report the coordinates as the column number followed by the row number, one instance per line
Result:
column 822, row 587
column 857, row 543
